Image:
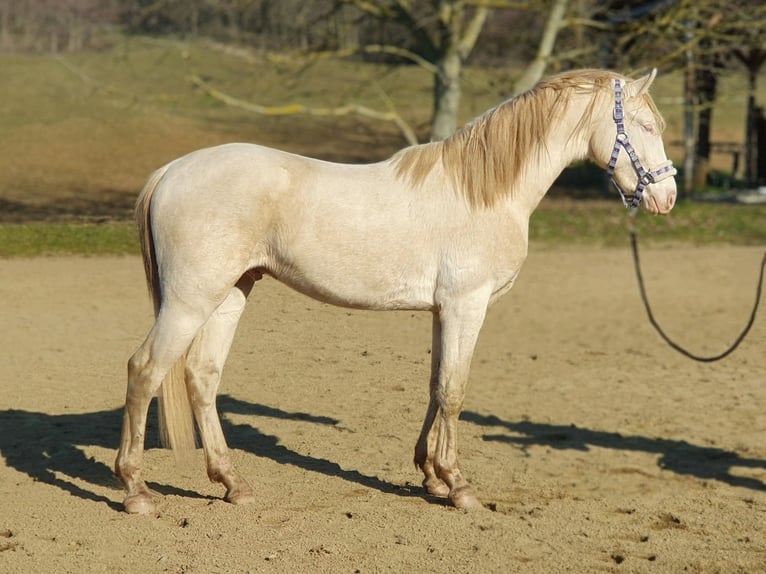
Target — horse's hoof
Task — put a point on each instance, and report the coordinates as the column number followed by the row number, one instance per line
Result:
column 464, row 499
column 139, row 504
column 436, row 487
column 241, row 495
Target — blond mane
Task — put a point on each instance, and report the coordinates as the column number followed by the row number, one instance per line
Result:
column 485, row 159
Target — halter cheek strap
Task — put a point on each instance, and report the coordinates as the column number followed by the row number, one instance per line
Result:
column 645, row 177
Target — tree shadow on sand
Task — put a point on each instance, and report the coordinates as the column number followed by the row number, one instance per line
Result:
column 48, row 448
column 678, row 456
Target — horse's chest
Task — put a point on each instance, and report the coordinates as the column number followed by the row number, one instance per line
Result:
column 504, row 284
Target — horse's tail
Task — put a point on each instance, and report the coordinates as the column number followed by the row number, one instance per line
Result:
column 176, row 418
column 145, row 235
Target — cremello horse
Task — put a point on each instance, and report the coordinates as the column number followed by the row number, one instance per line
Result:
column 439, row 227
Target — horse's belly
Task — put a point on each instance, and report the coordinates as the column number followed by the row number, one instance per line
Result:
column 357, row 293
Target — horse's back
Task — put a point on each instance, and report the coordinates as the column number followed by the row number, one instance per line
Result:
column 226, row 169
column 240, row 173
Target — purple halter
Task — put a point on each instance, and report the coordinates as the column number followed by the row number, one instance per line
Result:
column 621, row 141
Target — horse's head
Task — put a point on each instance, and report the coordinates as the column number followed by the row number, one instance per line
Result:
column 643, row 172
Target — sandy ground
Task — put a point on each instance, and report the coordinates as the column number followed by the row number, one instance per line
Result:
column 594, row 447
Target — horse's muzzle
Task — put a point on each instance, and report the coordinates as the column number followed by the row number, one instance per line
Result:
column 661, row 203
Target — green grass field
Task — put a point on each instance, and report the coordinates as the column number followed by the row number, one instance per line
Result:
column 79, row 134
column 36, row 239
column 556, row 222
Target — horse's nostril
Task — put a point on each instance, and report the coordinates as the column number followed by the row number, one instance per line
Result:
column 671, row 201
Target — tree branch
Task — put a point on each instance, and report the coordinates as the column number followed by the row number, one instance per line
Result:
column 472, row 31
column 502, row 4
column 535, row 70
column 346, row 52
column 293, row 109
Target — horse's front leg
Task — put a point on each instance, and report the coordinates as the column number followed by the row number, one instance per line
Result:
column 425, row 448
column 460, row 322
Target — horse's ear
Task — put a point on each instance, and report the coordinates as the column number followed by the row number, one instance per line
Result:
column 641, row 85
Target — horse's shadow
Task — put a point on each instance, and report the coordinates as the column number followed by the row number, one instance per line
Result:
column 248, row 438
column 47, row 448
column 678, row 456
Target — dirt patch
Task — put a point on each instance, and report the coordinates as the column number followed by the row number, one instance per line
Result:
column 593, row 446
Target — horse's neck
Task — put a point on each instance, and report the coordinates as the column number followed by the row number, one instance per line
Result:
column 563, row 146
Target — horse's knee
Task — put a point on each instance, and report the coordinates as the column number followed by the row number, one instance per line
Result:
column 450, row 403
column 139, row 382
column 135, row 365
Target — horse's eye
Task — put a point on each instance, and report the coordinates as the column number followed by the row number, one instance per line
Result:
column 648, row 128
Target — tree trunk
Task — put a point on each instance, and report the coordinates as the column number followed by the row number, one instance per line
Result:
column 749, row 132
column 753, row 59
column 689, row 113
column 534, row 72
column 706, row 84
column 446, row 95
column 453, row 43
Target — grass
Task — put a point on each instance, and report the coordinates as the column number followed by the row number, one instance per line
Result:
column 555, row 223
column 606, row 223
column 37, row 239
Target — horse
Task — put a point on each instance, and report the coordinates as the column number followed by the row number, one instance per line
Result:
column 439, row 227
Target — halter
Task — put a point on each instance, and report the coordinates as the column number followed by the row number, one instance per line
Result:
column 621, row 141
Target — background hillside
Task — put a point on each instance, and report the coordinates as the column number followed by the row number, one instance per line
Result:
column 96, row 94
column 90, row 126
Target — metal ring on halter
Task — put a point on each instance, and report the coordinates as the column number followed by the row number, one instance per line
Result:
column 645, row 178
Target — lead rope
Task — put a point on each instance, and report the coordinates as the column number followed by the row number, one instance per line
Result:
column 653, row 321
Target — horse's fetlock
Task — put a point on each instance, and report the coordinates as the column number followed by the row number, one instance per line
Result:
column 214, row 475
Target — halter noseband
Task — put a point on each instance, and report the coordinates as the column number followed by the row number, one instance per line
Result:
column 621, row 141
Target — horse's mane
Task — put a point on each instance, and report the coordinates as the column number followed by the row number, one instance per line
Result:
column 485, row 159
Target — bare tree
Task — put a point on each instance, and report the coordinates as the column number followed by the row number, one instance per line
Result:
column 438, row 35
column 445, row 32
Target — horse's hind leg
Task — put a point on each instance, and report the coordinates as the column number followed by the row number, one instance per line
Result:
column 166, row 343
column 204, row 365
